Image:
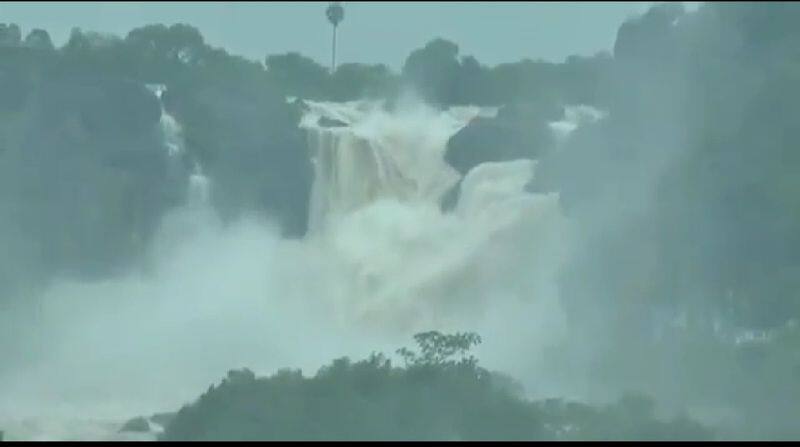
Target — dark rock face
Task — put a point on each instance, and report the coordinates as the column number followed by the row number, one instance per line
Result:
column 121, row 106
column 484, row 139
column 136, row 425
column 450, row 199
column 162, row 419
column 329, row 122
column 530, row 112
column 253, row 151
column 95, row 157
column 517, row 132
column 104, row 106
column 637, row 38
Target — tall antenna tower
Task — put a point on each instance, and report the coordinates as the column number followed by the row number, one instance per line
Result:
column 335, row 14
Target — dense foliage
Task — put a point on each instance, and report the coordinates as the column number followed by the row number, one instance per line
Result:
column 686, row 202
column 78, row 122
column 685, row 195
column 439, row 394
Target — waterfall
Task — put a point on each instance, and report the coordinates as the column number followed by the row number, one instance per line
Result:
column 172, row 132
column 170, row 129
column 195, row 217
column 379, row 179
column 381, row 262
column 199, row 186
column 375, row 155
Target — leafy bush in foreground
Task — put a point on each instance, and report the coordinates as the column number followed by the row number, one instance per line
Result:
column 439, row 394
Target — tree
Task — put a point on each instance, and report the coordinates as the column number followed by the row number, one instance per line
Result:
column 178, row 43
column 427, row 400
column 298, row 75
column 335, row 14
column 471, row 84
column 437, row 349
column 10, row 35
column 433, row 70
column 355, row 81
column 78, row 42
column 39, row 39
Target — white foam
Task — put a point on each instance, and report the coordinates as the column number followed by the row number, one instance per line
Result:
column 381, row 262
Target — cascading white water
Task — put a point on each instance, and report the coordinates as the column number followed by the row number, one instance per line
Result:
column 375, row 156
column 170, row 129
column 184, row 225
column 195, row 215
column 381, row 262
column 379, row 180
column 199, row 188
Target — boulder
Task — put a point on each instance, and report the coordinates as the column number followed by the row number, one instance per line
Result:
column 330, row 122
column 517, row 132
column 136, row 425
column 162, row 419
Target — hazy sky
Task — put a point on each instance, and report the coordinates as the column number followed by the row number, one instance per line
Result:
column 372, row 32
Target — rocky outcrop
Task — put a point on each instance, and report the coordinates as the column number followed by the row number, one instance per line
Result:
column 517, row 132
column 92, row 148
column 329, row 122
column 136, row 425
column 252, row 150
column 103, row 106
